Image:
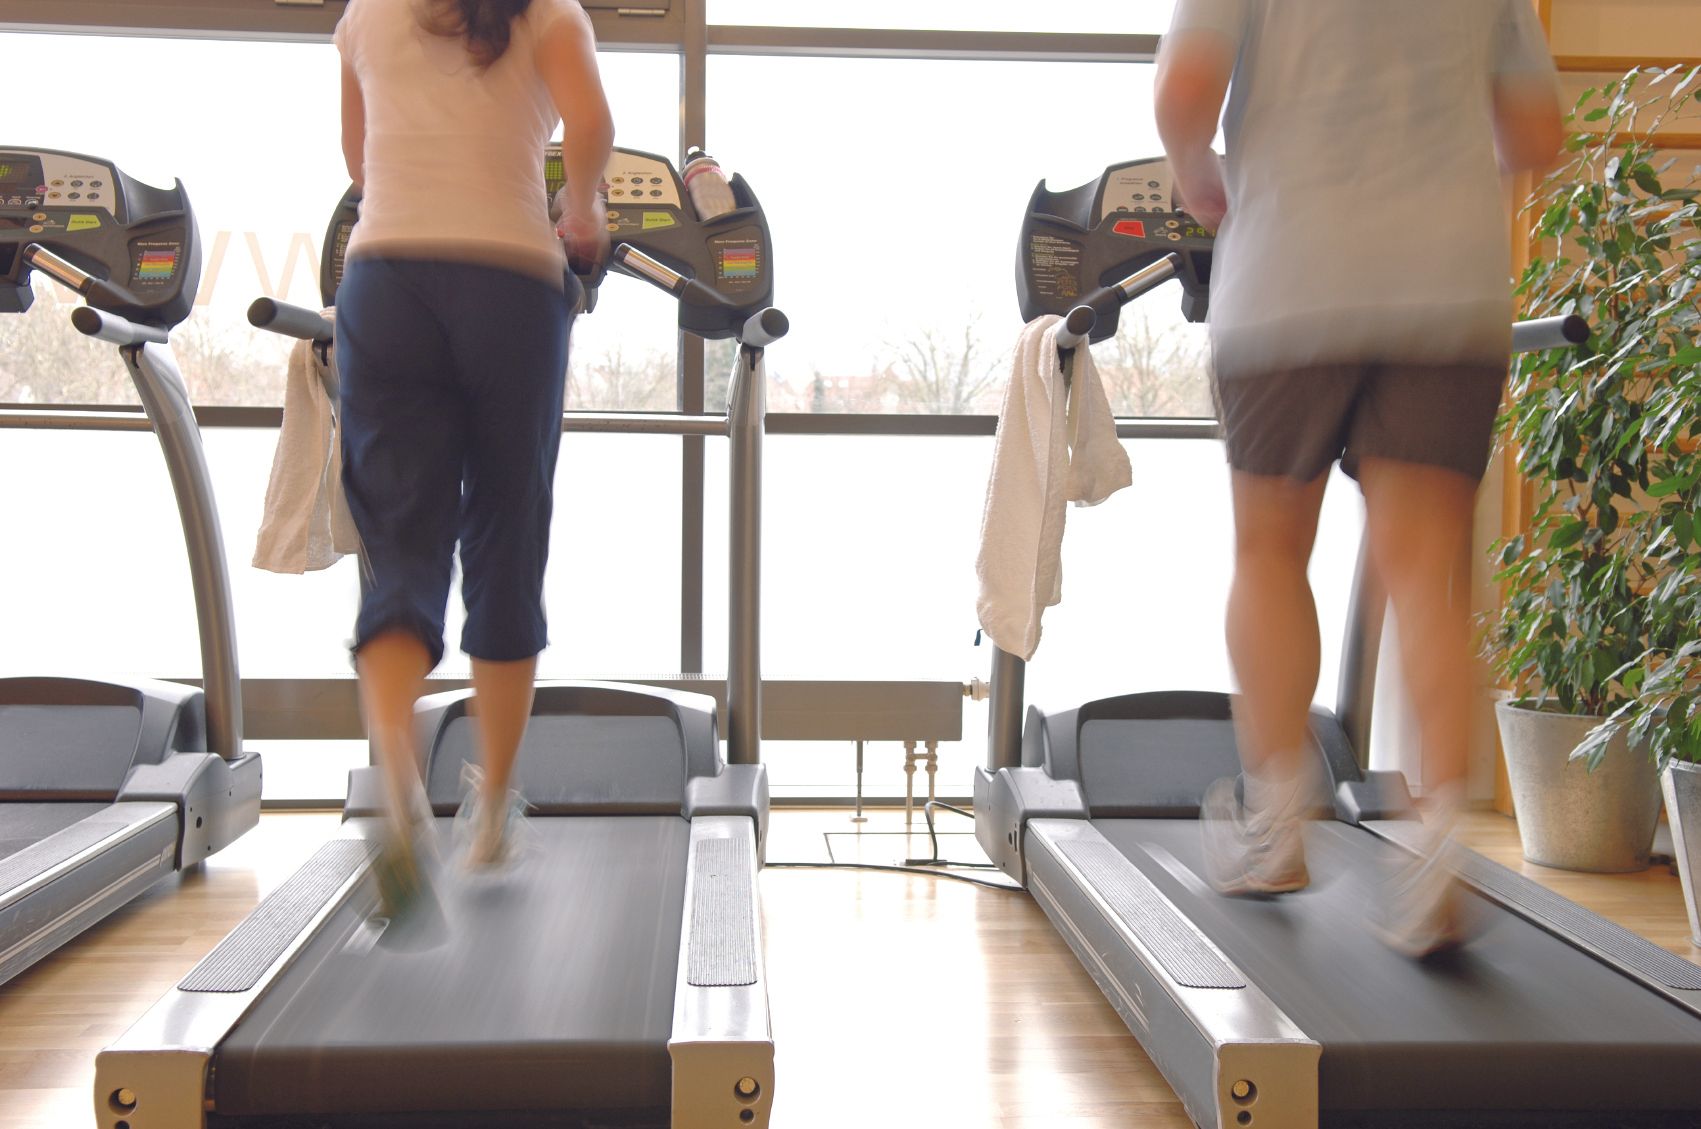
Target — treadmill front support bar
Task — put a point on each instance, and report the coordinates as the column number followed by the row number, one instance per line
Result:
column 160, row 386
column 1004, row 720
column 746, row 410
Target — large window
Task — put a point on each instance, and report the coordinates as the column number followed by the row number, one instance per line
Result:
column 97, row 581
column 253, row 135
column 868, row 572
column 896, row 190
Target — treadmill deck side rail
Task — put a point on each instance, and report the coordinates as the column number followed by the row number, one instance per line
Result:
column 1260, row 1060
column 77, row 876
column 155, row 1075
column 78, row 843
column 722, row 1043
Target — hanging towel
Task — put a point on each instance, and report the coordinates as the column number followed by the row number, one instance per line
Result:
column 1056, row 443
column 306, row 524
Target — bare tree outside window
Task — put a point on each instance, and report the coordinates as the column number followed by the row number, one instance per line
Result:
column 936, row 373
column 44, row 360
column 1156, row 367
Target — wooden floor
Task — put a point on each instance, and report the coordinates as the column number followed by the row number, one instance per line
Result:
column 898, row 1000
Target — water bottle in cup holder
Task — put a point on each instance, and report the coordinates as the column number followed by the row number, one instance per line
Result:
column 707, row 185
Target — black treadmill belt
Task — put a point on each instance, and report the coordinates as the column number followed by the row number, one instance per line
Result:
column 23, row 825
column 546, row 986
column 1621, row 944
column 1518, row 1020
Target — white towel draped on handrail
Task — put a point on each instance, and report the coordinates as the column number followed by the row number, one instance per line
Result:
column 1056, row 443
column 306, row 524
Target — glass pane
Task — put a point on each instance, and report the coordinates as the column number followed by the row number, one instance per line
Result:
column 868, row 573
column 262, row 196
column 896, row 247
column 1147, row 17
column 108, row 588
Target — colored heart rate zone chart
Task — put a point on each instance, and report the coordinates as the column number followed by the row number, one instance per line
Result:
column 156, row 265
column 740, row 262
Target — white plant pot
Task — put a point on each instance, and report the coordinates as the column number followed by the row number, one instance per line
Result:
column 1568, row 817
column 1682, row 785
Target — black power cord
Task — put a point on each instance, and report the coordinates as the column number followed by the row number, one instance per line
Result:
column 933, row 839
column 894, row 870
column 917, row 866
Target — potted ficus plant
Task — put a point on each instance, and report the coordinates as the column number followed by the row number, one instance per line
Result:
column 1597, row 632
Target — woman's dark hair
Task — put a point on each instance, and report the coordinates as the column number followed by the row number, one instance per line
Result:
column 486, row 25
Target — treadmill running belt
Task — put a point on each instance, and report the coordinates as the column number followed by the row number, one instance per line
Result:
column 1518, row 1020
column 1624, row 946
column 23, row 825
column 545, row 986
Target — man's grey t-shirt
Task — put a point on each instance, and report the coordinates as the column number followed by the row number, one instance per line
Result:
column 1367, row 218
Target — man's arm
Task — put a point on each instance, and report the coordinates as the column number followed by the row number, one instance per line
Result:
column 1528, row 126
column 1194, row 68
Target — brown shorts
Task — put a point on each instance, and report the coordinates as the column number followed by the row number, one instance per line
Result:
column 1294, row 423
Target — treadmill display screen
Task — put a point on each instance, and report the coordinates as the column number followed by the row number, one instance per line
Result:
column 19, row 175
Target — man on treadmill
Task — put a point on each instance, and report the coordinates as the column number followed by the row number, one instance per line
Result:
column 1360, row 312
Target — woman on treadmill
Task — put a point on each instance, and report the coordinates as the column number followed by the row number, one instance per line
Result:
column 1360, row 313
column 452, row 328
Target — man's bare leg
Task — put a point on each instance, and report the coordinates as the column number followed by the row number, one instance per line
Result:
column 1274, row 647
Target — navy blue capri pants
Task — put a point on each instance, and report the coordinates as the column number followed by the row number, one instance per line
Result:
column 452, row 382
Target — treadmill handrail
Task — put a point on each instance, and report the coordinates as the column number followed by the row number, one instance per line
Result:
column 1081, row 320
column 100, row 293
column 291, row 320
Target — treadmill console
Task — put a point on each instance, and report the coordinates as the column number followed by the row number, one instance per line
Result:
column 648, row 209
column 139, row 238
column 1076, row 241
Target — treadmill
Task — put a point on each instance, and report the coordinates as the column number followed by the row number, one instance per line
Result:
column 612, row 975
column 1289, row 1013
column 106, row 786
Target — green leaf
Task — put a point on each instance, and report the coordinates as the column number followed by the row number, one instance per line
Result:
column 1595, row 115
column 1569, row 533
column 1647, row 181
column 1665, row 487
